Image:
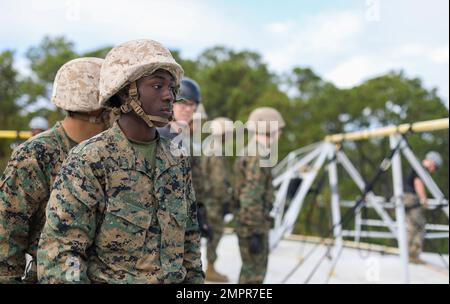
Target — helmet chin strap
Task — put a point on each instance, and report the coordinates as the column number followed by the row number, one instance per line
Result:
column 134, row 104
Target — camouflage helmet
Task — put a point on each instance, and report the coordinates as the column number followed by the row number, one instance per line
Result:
column 132, row 60
column 267, row 115
column 221, row 125
column 75, row 87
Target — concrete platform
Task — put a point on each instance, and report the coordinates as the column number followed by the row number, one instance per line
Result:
column 353, row 267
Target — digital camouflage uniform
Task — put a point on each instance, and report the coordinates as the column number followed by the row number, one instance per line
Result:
column 217, row 184
column 119, row 219
column 198, row 184
column 254, row 196
column 25, row 186
column 24, row 192
column 198, row 175
column 415, row 221
column 198, row 178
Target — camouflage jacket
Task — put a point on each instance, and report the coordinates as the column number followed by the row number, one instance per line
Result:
column 111, row 218
column 253, row 195
column 24, row 192
column 217, row 184
column 198, row 176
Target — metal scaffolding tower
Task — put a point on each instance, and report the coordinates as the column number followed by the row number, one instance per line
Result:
column 306, row 163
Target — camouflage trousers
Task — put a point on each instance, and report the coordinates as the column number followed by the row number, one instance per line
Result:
column 254, row 266
column 217, row 223
column 415, row 221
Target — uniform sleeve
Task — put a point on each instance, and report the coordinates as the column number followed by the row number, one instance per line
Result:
column 70, row 225
column 270, row 195
column 226, row 181
column 23, row 187
column 205, row 168
column 252, row 197
column 197, row 171
column 238, row 180
column 192, row 256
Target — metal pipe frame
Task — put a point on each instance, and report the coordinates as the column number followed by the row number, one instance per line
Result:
column 291, row 215
column 402, row 237
column 397, row 228
column 359, row 181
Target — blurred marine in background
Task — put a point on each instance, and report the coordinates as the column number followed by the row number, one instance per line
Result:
column 218, row 186
column 29, row 175
column 254, row 196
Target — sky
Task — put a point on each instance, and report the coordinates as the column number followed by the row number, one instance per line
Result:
column 344, row 41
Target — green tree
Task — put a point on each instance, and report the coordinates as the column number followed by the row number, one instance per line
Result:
column 232, row 82
column 9, row 93
column 45, row 60
column 99, row 53
column 305, row 81
column 190, row 67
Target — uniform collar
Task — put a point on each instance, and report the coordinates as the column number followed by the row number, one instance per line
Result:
column 61, row 135
column 131, row 159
